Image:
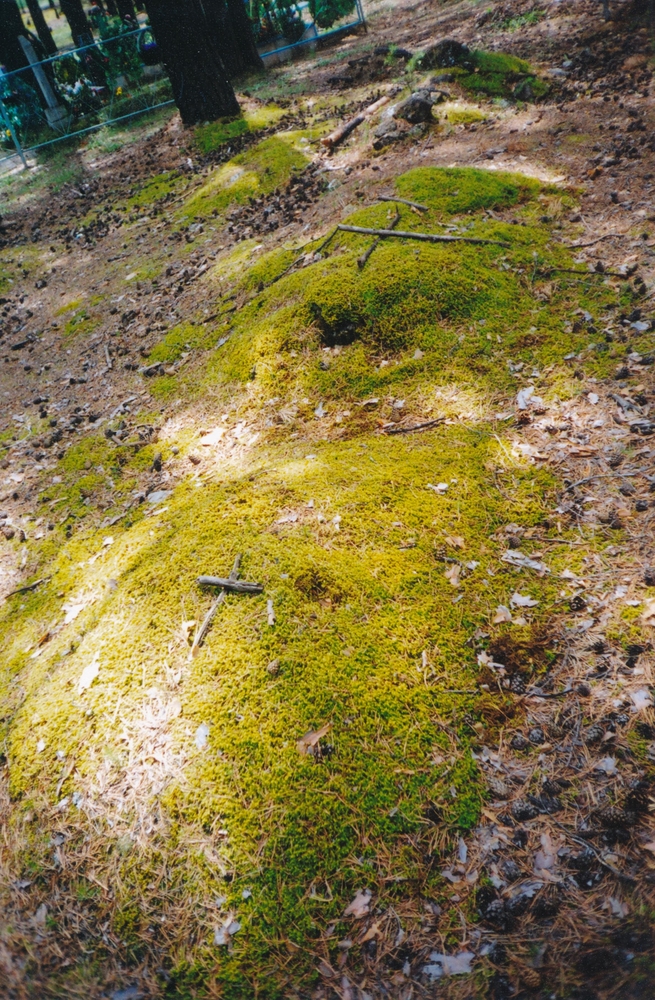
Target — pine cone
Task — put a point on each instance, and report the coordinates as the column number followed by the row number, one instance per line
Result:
column 522, row 810
column 616, row 818
column 546, row 904
column 636, row 800
column 546, row 803
column 537, row 735
column 519, row 742
column 518, row 904
column 550, row 787
column 496, row 914
column 594, row 734
column 529, row 977
column 499, row 788
column 511, row 871
column 517, row 685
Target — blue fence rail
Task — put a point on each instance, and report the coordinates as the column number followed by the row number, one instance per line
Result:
column 106, row 82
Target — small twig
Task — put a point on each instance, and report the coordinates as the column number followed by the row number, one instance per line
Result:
column 582, row 274
column 270, row 611
column 603, row 475
column 425, row 237
column 302, row 257
column 110, row 363
column 403, row 201
column 231, row 583
column 414, row 427
column 361, row 261
column 599, row 857
column 202, row 631
column 607, row 236
column 26, row 589
column 625, row 404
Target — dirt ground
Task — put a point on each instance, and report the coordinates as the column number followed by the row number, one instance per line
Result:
column 82, row 251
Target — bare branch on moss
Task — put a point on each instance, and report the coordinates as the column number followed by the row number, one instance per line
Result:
column 228, row 583
column 361, row 261
column 414, row 427
column 403, row 201
column 341, row 133
column 204, row 628
column 425, row 237
column 28, row 587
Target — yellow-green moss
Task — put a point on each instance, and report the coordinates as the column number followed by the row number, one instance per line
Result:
column 348, row 537
column 257, row 171
column 214, row 134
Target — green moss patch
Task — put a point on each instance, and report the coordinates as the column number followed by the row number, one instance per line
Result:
column 214, row 134
column 257, row 171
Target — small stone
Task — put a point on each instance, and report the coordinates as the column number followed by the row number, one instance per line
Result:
column 8, row 532
column 415, row 109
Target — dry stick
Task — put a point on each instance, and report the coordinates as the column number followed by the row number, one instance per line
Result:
column 110, row 363
column 302, row 257
column 403, row 201
column 604, row 475
column 26, row 589
column 607, row 236
column 425, row 237
column 361, row 261
column 231, row 583
column 202, row 631
column 583, row 274
column 599, row 857
column 339, row 134
column 416, row 427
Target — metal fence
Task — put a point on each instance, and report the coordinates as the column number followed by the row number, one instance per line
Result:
column 80, row 90
column 109, row 81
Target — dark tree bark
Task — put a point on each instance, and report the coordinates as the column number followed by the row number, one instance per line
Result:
column 80, row 28
column 193, row 60
column 42, row 29
column 112, row 9
column 11, row 27
column 245, row 39
column 233, row 30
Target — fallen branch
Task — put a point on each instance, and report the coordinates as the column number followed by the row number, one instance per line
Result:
column 607, row 236
column 415, row 427
column 361, row 261
column 28, row 587
column 202, row 631
column 231, row 583
column 425, row 237
column 582, row 274
column 603, row 475
column 341, row 133
column 403, row 201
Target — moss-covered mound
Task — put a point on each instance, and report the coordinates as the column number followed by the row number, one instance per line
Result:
column 221, row 811
column 493, row 74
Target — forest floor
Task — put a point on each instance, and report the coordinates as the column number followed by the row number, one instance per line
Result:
column 419, row 761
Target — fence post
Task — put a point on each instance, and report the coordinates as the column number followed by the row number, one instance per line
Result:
column 12, row 130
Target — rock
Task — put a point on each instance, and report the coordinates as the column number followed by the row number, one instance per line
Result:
column 447, row 53
column 417, row 108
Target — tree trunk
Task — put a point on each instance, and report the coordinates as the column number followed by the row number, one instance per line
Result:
column 112, row 9
column 42, row 29
column 73, row 11
column 11, row 27
column 233, row 31
column 245, row 39
column 193, row 61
